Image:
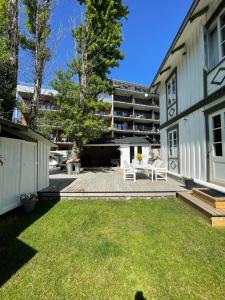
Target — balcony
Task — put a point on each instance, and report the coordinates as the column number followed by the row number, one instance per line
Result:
column 123, row 114
column 43, row 106
column 123, row 99
column 123, row 127
column 143, row 116
column 144, row 128
column 103, row 114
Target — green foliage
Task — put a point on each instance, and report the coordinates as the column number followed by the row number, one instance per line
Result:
column 7, row 83
column 37, row 24
column 78, row 120
column 139, row 156
column 98, row 39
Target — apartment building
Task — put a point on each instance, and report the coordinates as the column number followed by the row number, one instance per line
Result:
column 133, row 113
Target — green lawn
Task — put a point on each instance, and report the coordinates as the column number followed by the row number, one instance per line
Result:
column 111, row 250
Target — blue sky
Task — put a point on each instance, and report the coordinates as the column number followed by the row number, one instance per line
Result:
column 148, row 33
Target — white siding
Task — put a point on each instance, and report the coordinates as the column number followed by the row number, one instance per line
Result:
column 190, row 87
column 18, row 173
column 43, row 165
column 192, row 146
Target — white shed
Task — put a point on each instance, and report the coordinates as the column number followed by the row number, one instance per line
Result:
column 24, row 166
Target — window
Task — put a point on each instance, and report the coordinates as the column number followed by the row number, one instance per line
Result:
column 213, row 48
column 216, row 41
column 172, row 90
column 222, row 33
column 139, row 149
column 217, row 136
column 172, row 143
column 171, row 95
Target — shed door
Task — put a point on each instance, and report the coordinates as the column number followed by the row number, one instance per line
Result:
column 28, row 168
column 217, row 146
column 17, row 174
column 10, row 151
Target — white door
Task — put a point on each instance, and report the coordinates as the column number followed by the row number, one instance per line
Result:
column 17, row 173
column 28, row 180
column 217, row 146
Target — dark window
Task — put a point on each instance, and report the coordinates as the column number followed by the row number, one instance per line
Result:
column 139, row 149
column 131, row 153
column 217, row 136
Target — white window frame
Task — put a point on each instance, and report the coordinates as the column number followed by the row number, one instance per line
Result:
column 173, row 143
column 172, row 97
column 217, row 24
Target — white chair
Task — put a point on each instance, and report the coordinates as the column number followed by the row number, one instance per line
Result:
column 161, row 171
column 129, row 172
column 152, row 167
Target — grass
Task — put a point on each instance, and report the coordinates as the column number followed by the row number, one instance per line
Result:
column 111, row 250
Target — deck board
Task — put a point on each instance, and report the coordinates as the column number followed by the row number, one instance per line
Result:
column 109, row 182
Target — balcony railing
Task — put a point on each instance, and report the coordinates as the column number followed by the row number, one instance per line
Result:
column 103, row 114
column 143, row 116
column 124, row 127
column 124, row 114
column 145, row 102
column 43, row 106
column 123, row 99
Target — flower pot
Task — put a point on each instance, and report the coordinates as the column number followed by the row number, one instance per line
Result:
column 69, row 167
column 189, row 184
column 29, row 205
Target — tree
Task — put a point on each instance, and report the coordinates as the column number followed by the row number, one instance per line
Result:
column 38, row 26
column 9, row 45
column 98, row 39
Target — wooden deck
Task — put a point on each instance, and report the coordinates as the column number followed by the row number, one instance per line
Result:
column 107, row 183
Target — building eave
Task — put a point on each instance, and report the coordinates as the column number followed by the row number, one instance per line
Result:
column 176, row 39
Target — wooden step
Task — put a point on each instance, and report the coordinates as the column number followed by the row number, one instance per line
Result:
column 212, row 197
column 216, row 216
column 103, row 195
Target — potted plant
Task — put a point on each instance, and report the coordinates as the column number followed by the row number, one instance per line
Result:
column 29, row 202
column 189, row 182
column 139, row 157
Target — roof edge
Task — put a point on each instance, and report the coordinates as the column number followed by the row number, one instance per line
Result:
column 179, row 33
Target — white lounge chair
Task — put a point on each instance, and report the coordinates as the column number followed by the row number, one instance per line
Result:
column 129, row 172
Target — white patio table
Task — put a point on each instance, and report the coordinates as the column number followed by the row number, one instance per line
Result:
column 148, row 167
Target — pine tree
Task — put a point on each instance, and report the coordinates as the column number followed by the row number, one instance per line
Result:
column 38, row 26
column 98, row 39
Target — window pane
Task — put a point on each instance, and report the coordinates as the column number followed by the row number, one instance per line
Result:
column 175, row 135
column 174, row 89
column 217, row 121
column 223, row 49
column 169, row 89
column 213, row 48
column 217, row 136
column 222, row 20
column 218, row 149
column 223, row 35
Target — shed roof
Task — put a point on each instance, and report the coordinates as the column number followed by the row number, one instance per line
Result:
column 23, row 132
column 133, row 140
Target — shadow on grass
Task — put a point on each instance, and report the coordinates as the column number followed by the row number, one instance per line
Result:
column 13, row 252
column 139, row 296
